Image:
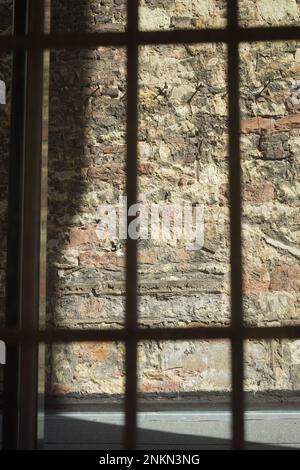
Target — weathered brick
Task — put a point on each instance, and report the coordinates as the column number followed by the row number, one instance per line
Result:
column 256, row 280
column 285, row 278
column 83, row 236
column 111, row 173
column 146, row 169
column 88, row 307
column 258, row 194
column 253, row 193
column 116, row 172
column 288, row 123
column 257, row 125
column 94, row 351
column 96, row 259
column 147, row 257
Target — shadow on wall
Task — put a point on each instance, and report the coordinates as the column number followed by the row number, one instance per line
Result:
column 87, row 150
column 86, row 154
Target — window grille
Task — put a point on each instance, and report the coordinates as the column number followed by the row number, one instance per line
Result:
column 23, row 333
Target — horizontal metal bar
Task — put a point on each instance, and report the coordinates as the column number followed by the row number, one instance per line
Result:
column 92, row 40
column 157, row 334
column 280, row 33
column 63, row 41
column 261, row 34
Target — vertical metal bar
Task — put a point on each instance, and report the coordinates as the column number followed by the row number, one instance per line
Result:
column 237, row 343
column 43, row 241
column 31, row 231
column 13, row 277
column 131, row 251
column 22, row 308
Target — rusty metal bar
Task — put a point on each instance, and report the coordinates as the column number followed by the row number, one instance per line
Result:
column 13, row 279
column 235, row 202
column 92, row 40
column 22, row 308
column 131, row 245
column 31, row 231
column 12, row 336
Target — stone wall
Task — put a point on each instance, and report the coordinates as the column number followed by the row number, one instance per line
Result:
column 183, row 155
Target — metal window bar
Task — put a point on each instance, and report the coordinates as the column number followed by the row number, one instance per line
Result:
column 131, row 245
column 13, row 334
column 13, row 289
column 237, row 342
column 25, row 228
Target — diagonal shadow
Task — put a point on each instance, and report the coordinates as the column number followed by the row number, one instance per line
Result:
column 84, row 106
column 69, row 433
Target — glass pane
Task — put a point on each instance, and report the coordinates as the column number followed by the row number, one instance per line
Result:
column 84, row 16
column 86, row 178
column 270, row 165
column 272, row 387
column 84, row 396
column 184, row 395
column 269, row 13
column 184, row 218
column 158, row 15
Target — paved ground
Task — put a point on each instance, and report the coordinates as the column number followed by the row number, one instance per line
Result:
column 171, row 430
